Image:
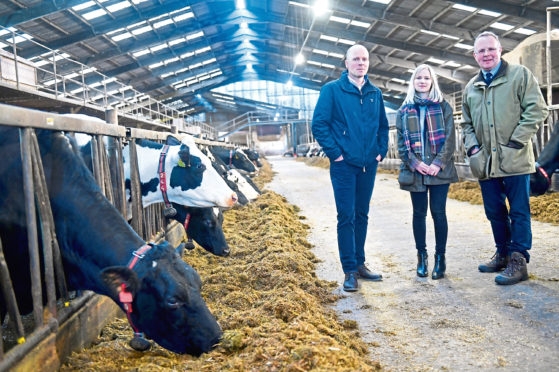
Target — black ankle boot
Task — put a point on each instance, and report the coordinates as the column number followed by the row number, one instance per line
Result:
column 440, row 267
column 422, row 270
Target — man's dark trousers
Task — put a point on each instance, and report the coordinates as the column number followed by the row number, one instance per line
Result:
column 353, row 188
column 511, row 229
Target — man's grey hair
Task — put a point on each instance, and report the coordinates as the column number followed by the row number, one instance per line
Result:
column 486, row 34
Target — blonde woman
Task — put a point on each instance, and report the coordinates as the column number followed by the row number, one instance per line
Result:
column 426, row 141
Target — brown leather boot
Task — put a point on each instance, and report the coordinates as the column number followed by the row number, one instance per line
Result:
column 515, row 272
column 498, row 262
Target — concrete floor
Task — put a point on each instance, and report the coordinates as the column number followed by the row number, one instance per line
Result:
column 463, row 322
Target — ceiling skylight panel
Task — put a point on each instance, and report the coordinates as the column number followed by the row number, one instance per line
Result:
column 299, row 4
column 311, row 62
column 170, row 60
column 140, row 53
column 142, row 30
column 329, row 38
column 122, row 36
column 489, row 13
column 451, row 37
column 155, row 65
column 208, row 61
column 187, row 55
column 319, row 51
column 202, row 50
column 465, row 7
column 160, row 24
column 429, row 32
column 340, row 19
column 381, row 1
column 177, row 41
column 183, row 16
column 327, row 65
column 525, row 31
column 94, row 14
column 436, row 60
column 464, row 46
column 119, row 6
column 19, row 38
column 166, row 75
column 360, row 24
column 7, row 31
column 337, row 55
column 87, row 4
column 451, row 64
column 196, row 65
column 158, row 47
column 195, row 35
column 345, row 41
column 502, row 26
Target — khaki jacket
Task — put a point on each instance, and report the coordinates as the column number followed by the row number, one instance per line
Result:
column 511, row 108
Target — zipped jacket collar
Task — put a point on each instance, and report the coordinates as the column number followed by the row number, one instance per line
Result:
column 351, row 88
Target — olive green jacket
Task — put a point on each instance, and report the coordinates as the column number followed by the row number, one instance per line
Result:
column 411, row 180
column 501, row 119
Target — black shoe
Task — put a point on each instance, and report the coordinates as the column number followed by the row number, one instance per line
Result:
column 422, row 270
column 350, row 282
column 365, row 273
column 440, row 267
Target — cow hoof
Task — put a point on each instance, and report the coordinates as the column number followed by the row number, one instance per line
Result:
column 139, row 344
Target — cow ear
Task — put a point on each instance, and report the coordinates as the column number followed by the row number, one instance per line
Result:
column 115, row 276
column 184, row 154
column 173, row 141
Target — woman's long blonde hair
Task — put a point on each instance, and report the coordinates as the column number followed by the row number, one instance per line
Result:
column 435, row 93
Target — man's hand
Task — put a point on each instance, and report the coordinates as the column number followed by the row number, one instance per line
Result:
column 340, row 158
column 379, row 158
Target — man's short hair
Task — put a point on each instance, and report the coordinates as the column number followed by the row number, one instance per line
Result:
column 351, row 47
column 486, row 34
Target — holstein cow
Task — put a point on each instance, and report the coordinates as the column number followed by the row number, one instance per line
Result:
column 183, row 171
column 159, row 292
column 204, row 225
column 222, row 169
column 233, row 158
column 244, row 183
column 254, row 156
column 201, row 224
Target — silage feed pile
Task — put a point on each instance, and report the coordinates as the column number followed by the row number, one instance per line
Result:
column 274, row 311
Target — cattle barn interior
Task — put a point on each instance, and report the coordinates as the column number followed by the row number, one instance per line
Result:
column 195, row 81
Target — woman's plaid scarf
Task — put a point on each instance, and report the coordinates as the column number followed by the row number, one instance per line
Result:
column 434, row 120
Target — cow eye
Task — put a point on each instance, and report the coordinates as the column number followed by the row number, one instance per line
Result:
column 173, row 303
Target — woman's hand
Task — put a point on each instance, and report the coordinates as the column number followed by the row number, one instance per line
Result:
column 433, row 170
column 423, row 168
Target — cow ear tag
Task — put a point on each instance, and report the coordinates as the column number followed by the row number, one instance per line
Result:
column 181, row 163
column 125, row 297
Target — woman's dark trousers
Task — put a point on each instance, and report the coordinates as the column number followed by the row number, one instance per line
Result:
column 435, row 197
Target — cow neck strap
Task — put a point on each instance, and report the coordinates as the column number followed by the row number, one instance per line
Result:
column 186, row 221
column 169, row 211
column 544, row 173
column 124, row 296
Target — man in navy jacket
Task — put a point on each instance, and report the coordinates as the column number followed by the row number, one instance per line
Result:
column 350, row 124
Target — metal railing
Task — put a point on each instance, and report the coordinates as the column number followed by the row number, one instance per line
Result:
column 53, row 74
column 257, row 118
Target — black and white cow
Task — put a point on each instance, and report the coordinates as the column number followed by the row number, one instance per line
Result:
column 222, row 169
column 204, row 225
column 254, row 156
column 233, row 158
column 244, row 184
column 190, row 178
column 546, row 165
column 159, row 290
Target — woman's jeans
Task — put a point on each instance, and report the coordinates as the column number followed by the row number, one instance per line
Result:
column 353, row 188
column 512, row 229
column 437, row 204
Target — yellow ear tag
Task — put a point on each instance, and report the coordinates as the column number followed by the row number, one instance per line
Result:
column 181, row 163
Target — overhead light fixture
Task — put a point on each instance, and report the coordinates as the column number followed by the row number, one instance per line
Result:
column 320, row 7
column 299, row 59
column 289, row 84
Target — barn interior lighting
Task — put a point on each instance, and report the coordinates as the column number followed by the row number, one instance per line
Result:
column 244, row 25
column 381, row 1
column 299, row 59
column 289, row 83
column 320, row 7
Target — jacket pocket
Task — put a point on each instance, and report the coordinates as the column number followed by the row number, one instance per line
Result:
column 478, row 163
column 513, row 160
column 406, row 177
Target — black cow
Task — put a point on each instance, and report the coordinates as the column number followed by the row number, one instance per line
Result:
column 204, row 225
column 547, row 163
column 233, row 158
column 98, row 246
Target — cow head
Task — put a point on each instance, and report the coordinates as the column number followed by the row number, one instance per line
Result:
column 187, row 173
column 166, row 301
column 205, row 227
column 241, row 161
column 539, row 182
